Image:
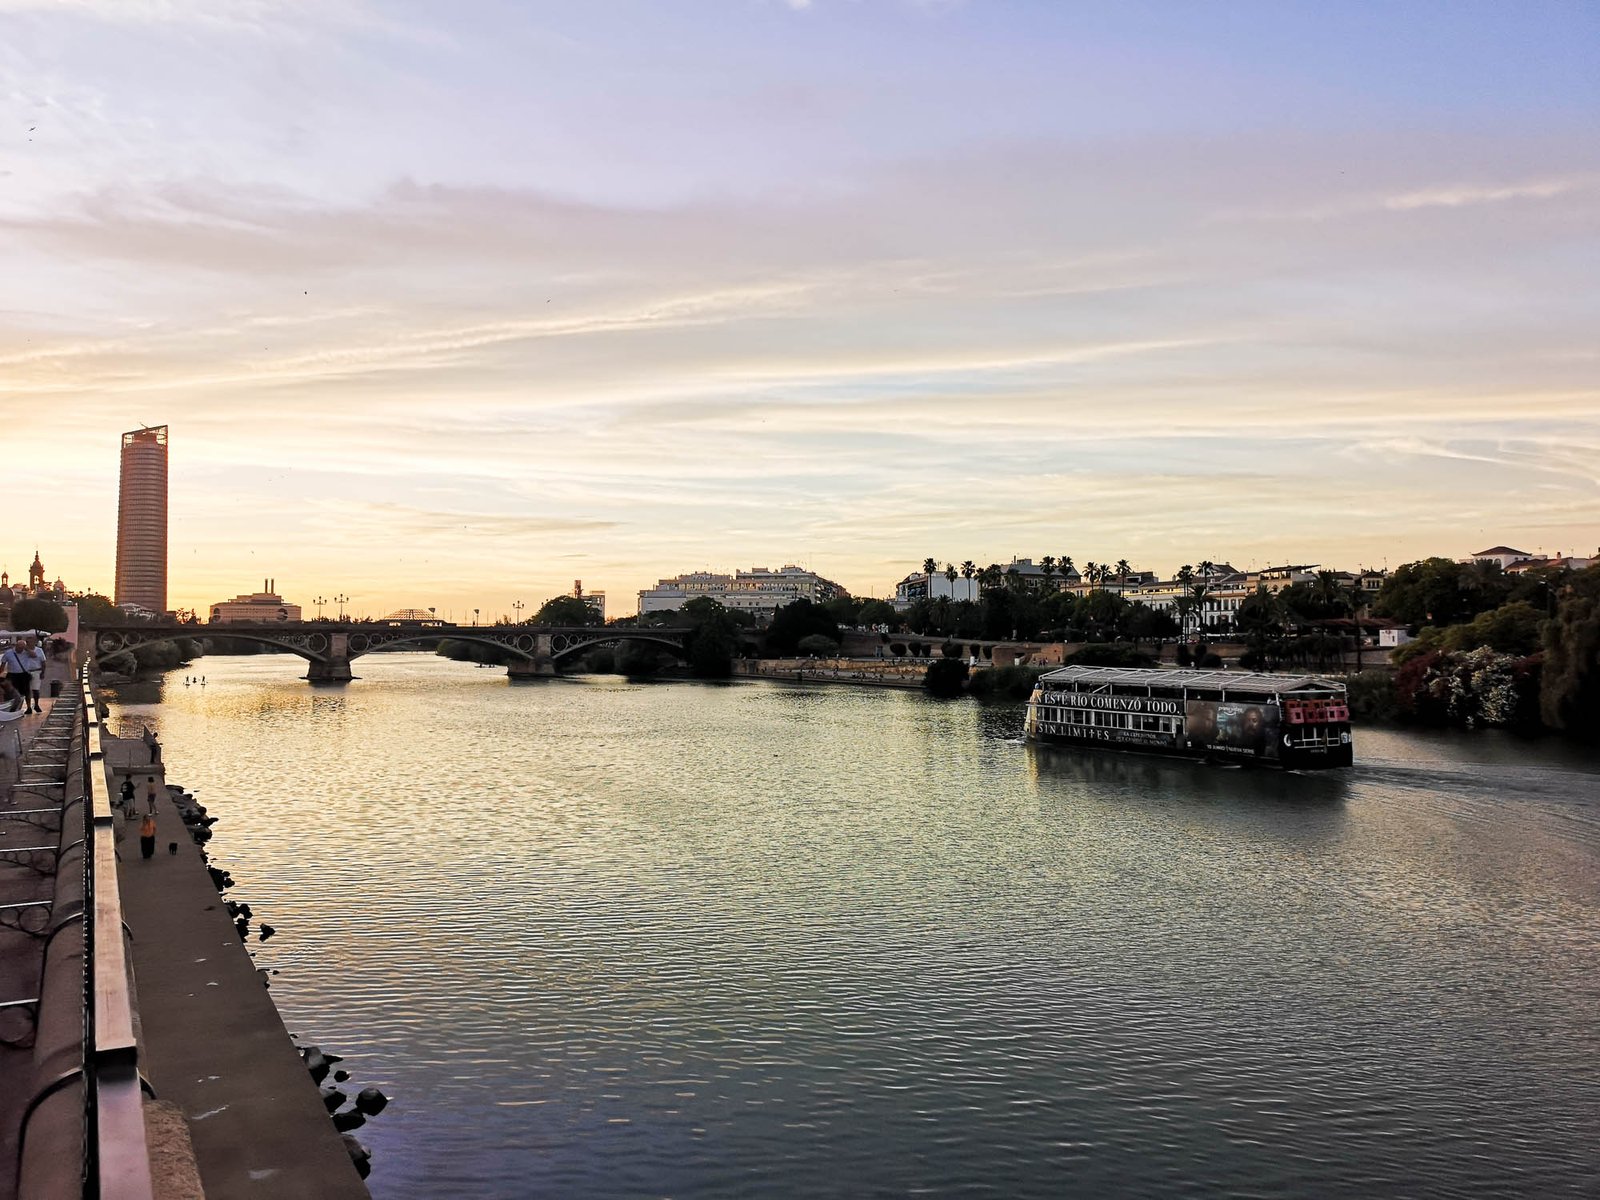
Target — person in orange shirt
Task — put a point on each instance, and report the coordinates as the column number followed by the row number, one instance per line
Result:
column 147, row 835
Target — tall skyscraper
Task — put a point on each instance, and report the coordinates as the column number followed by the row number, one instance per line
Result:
column 142, row 520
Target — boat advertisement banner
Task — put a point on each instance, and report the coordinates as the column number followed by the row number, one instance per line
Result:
column 1147, row 705
column 1248, row 730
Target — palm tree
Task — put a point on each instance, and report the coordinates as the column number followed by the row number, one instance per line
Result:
column 968, row 570
column 1202, row 589
column 1184, row 602
column 928, row 568
column 1357, row 600
column 1047, row 564
column 951, row 573
column 1091, row 572
column 1122, row 575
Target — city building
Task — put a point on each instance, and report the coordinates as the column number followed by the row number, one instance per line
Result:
column 760, row 590
column 595, row 601
column 920, row 586
column 142, row 520
column 1501, row 556
column 37, row 588
column 256, row 608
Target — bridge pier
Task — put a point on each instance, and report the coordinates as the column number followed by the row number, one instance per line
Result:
column 543, row 667
column 329, row 670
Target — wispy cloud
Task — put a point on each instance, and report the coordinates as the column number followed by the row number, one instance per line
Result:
column 396, row 342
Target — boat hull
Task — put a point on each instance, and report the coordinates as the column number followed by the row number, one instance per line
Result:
column 1284, row 758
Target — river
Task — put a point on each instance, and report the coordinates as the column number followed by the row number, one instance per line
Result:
column 621, row 940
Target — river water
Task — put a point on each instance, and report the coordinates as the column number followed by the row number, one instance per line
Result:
column 606, row 939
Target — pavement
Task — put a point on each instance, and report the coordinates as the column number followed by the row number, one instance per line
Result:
column 213, row 1043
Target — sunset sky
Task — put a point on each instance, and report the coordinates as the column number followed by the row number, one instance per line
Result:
column 450, row 304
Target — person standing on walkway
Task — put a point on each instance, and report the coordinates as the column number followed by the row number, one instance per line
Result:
column 150, row 796
column 16, row 670
column 127, row 795
column 33, row 658
column 147, row 835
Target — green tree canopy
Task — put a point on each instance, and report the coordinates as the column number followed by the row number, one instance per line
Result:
column 846, row 610
column 38, row 614
column 565, row 610
column 1569, row 697
column 819, row 644
column 877, row 612
column 715, row 638
column 96, row 611
column 1439, row 591
column 794, row 621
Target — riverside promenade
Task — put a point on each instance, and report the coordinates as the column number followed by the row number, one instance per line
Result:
column 140, row 1052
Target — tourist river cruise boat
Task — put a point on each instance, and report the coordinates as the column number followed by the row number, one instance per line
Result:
column 1289, row 721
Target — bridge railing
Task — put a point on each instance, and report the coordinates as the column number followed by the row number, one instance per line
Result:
column 83, row 1130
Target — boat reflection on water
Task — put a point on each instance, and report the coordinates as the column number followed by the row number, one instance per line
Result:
column 1120, row 775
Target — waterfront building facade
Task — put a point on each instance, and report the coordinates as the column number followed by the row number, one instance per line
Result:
column 920, row 586
column 256, row 608
column 142, row 520
column 760, row 591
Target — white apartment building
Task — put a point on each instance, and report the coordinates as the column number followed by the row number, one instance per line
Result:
column 920, row 586
column 760, row 590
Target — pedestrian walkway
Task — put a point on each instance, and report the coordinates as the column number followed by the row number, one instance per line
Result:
column 212, row 1040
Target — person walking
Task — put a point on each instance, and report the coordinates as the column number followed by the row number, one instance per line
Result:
column 13, row 663
column 33, row 658
column 147, row 835
column 150, row 796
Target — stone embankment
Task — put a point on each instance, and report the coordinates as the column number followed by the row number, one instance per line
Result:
column 213, row 1044
column 862, row 672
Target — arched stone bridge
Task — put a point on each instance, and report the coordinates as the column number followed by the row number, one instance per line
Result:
column 329, row 646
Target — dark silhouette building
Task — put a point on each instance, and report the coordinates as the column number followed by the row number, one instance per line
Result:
column 142, row 520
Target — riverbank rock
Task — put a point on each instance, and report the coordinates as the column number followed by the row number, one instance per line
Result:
column 332, row 1098
column 371, row 1101
column 360, row 1156
column 316, row 1063
column 350, row 1119
column 267, row 931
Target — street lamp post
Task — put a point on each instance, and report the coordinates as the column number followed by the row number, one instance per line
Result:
column 474, row 616
column 519, row 606
column 319, row 602
column 341, row 600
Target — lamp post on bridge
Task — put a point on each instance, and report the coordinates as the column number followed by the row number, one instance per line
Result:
column 319, row 602
column 341, row 600
column 519, row 606
column 474, row 617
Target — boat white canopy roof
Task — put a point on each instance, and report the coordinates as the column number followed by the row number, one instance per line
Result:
column 1233, row 681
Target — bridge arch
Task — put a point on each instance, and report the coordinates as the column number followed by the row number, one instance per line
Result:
column 533, row 650
column 312, row 647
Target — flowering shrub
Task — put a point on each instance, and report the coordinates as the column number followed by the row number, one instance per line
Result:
column 1471, row 688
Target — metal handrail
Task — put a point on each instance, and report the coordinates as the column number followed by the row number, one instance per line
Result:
column 117, row 1156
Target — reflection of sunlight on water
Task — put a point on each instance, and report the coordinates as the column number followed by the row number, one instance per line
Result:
column 603, row 938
